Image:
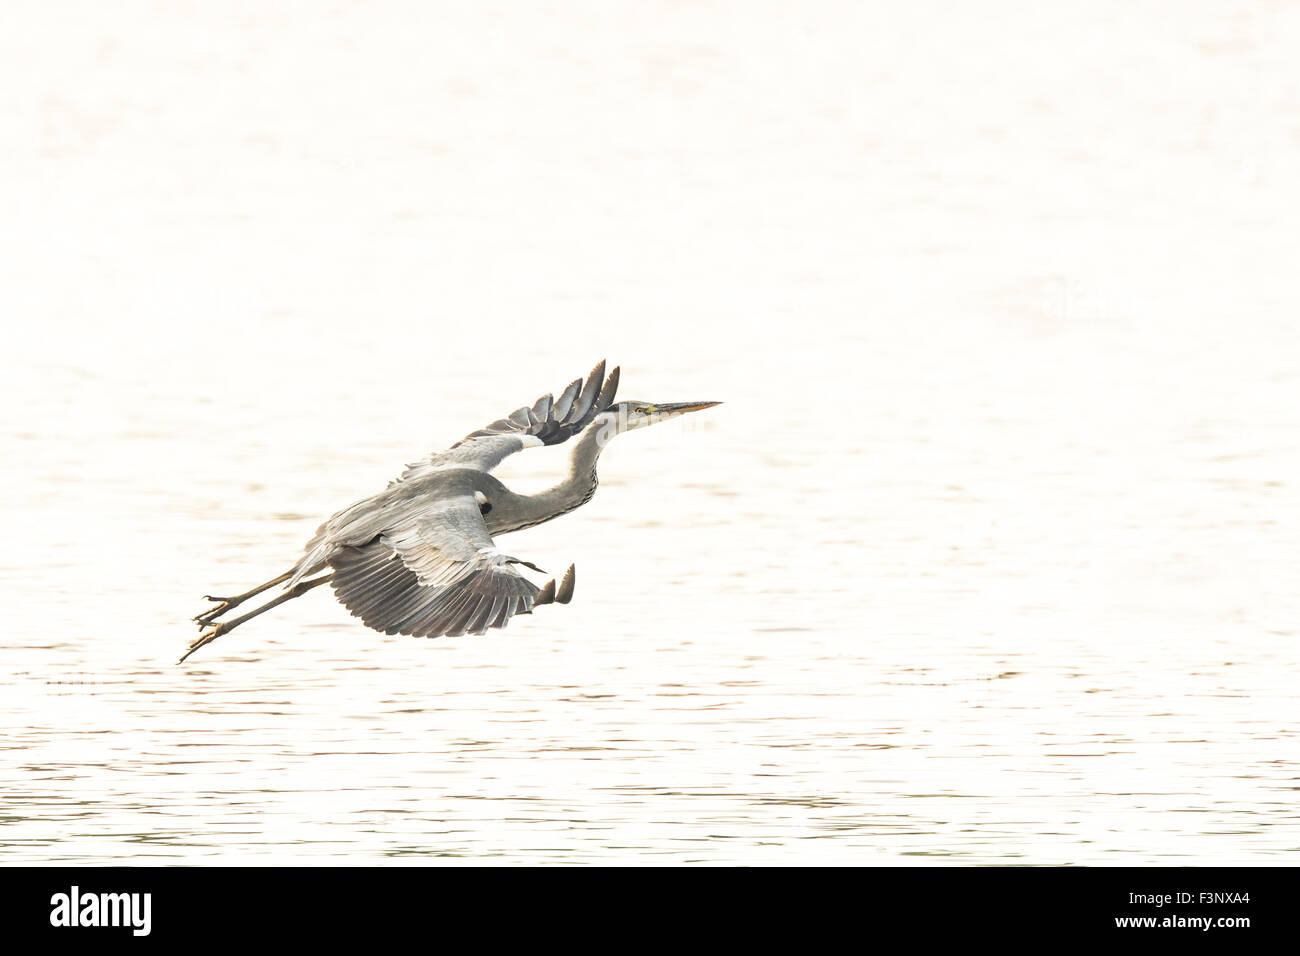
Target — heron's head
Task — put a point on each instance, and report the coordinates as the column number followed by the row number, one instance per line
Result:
column 625, row 416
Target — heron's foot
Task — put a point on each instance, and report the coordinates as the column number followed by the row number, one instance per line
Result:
column 553, row 595
column 211, row 614
column 207, row 637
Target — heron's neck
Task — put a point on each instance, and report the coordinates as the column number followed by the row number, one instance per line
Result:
column 574, row 491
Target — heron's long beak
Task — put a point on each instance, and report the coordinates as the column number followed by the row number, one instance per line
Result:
column 680, row 408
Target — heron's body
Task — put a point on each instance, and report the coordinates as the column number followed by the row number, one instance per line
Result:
column 418, row 557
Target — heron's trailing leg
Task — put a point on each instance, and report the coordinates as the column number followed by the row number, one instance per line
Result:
column 551, row 595
column 226, row 603
column 207, row 637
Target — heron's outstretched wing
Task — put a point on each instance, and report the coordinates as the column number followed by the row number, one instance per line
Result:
column 554, row 420
column 548, row 421
column 436, row 573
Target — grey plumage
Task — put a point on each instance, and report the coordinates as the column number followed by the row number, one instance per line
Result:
column 554, row 422
column 418, row 557
column 436, row 574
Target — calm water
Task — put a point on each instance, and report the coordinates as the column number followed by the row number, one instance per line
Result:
column 989, row 557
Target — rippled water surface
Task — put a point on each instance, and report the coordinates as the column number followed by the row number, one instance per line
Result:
column 989, row 557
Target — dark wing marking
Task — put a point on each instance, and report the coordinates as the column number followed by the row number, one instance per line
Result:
column 437, row 574
column 549, row 420
column 552, row 420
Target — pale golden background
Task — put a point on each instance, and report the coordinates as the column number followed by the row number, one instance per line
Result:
column 990, row 555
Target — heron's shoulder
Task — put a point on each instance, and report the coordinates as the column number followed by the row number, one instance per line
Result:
column 450, row 479
column 477, row 454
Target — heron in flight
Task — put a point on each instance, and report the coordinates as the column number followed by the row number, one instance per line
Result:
column 418, row 558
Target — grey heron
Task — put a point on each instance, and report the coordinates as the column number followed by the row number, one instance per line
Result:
column 418, row 557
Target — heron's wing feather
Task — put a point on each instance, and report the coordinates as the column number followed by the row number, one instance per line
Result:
column 547, row 421
column 437, row 573
column 555, row 421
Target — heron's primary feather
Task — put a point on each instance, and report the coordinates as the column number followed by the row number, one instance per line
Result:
column 557, row 421
column 548, row 421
